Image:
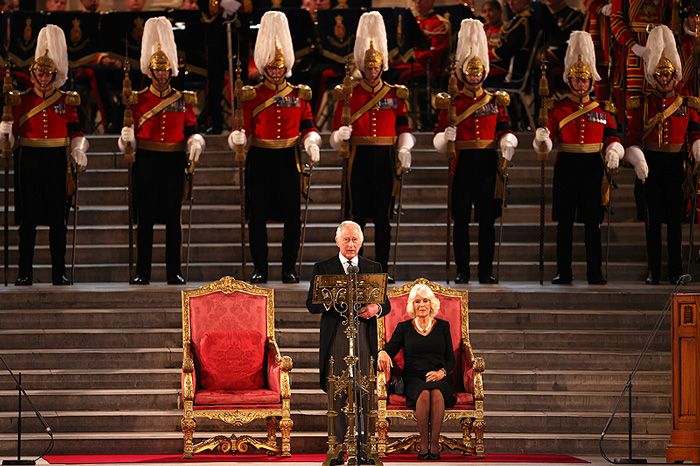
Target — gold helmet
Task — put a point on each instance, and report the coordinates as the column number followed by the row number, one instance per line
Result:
column 44, row 63
column 664, row 67
column 579, row 69
column 159, row 61
column 278, row 58
column 474, row 67
column 373, row 57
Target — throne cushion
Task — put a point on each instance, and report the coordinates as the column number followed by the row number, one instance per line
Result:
column 260, row 398
column 232, row 360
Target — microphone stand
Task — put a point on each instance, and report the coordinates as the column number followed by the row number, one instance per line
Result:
column 682, row 280
column 22, row 392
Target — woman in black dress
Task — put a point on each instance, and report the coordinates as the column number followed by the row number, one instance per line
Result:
column 429, row 358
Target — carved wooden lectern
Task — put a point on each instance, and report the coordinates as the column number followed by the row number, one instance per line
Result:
column 348, row 293
column 685, row 338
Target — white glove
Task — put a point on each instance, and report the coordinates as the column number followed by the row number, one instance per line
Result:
column 126, row 138
column 237, row 138
column 450, row 134
column 339, row 136
column 635, row 157
column 606, row 9
column 229, row 7
column 78, row 149
column 312, row 141
column 440, row 143
column 638, row 50
column 195, row 147
column 405, row 159
column 695, row 150
column 613, row 155
column 542, row 142
column 508, row 143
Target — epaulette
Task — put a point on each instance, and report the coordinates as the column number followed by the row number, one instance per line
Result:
column 304, row 92
column 401, row 91
column 248, row 93
column 71, row 98
column 634, row 102
column 693, row 102
column 502, row 98
column 549, row 102
column 189, row 97
column 610, row 107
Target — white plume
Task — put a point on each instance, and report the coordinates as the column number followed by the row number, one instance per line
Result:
column 580, row 44
column 370, row 28
column 158, row 31
column 471, row 42
column 53, row 39
column 274, row 31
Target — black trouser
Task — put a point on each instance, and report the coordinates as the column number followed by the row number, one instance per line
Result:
column 40, row 199
column 158, row 184
column 663, row 190
column 273, row 193
column 474, row 183
column 371, row 186
column 576, row 196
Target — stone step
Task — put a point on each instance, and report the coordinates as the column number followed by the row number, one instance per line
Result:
column 163, row 398
column 308, row 378
column 168, row 442
column 316, row 420
column 298, row 317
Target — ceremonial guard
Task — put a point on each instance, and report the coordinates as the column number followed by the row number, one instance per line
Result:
column 630, row 21
column 688, row 41
column 377, row 122
column 660, row 124
column 46, row 129
column 277, row 117
column 597, row 24
column 517, row 39
column 582, row 128
column 481, row 128
column 165, row 139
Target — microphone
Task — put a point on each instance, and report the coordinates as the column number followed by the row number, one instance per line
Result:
column 684, row 279
column 356, row 269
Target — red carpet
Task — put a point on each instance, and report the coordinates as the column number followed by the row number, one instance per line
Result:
column 305, row 458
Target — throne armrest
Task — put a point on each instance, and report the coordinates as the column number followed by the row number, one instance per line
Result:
column 472, row 368
column 189, row 376
column 278, row 368
column 382, row 393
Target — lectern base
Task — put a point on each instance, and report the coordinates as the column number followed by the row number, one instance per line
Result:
column 13, row 462
column 630, row 461
column 679, row 454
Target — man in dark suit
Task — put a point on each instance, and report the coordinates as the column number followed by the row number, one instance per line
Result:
column 349, row 239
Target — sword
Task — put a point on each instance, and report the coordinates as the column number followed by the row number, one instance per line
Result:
column 398, row 220
column 189, row 196
column 74, row 170
column 503, row 173
column 308, row 170
column 6, row 155
column 543, row 92
column 613, row 187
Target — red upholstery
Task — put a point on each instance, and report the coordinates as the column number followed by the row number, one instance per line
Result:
column 250, row 398
column 221, row 331
column 450, row 310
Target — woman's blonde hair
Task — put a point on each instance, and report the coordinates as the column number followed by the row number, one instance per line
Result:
column 423, row 291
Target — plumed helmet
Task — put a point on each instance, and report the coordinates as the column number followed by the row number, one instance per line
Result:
column 158, row 49
column 579, row 61
column 51, row 54
column 660, row 55
column 274, row 45
column 472, row 55
column 370, row 42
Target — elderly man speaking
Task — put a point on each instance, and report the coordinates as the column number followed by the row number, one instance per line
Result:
column 349, row 239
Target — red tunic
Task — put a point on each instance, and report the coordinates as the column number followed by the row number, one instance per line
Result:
column 485, row 126
column 51, row 127
column 588, row 133
column 683, row 126
column 167, row 129
column 436, row 30
column 277, row 125
column 688, row 85
column 383, row 122
column 598, row 26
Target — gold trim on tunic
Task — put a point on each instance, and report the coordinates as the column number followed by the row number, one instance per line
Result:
column 373, row 140
column 44, row 142
column 160, row 146
column 580, row 148
column 274, row 143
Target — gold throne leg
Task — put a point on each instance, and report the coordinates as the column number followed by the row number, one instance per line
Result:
column 382, row 434
column 272, row 424
column 479, row 428
column 188, row 426
column 286, row 425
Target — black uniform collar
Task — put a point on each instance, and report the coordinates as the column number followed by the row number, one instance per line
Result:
column 158, row 93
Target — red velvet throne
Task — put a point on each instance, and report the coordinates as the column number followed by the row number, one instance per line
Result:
column 232, row 370
column 466, row 376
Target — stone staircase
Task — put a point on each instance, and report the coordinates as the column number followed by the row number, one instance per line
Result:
column 102, row 359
